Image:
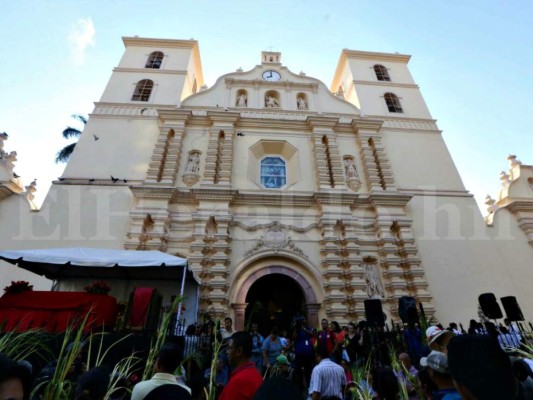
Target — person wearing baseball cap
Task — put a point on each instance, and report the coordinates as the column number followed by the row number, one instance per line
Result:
column 438, row 338
column 437, row 364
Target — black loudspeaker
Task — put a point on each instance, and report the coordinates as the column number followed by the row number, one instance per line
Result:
column 490, row 306
column 407, row 309
column 512, row 309
column 374, row 313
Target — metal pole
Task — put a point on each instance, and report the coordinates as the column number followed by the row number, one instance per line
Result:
column 181, row 297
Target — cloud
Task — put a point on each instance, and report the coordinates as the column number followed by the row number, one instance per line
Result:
column 80, row 37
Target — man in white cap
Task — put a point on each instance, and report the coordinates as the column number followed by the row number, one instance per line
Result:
column 437, row 365
column 438, row 338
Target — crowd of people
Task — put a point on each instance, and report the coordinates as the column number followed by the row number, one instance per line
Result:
column 350, row 362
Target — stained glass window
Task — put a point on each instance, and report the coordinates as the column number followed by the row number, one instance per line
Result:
column 273, row 172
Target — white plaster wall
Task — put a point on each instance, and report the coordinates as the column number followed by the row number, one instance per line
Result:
column 363, row 70
column 373, row 103
column 167, row 88
column 124, row 148
column 71, row 216
column 460, row 259
column 174, row 59
column 421, row 160
column 516, row 254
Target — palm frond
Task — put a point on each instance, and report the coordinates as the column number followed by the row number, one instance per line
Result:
column 64, row 154
column 122, row 372
column 80, row 118
column 23, row 345
column 160, row 338
column 70, row 132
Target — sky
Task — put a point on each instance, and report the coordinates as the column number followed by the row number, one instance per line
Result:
column 471, row 60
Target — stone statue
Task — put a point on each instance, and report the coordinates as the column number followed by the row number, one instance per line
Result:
column 505, row 178
column 491, row 204
column 271, row 102
column 302, row 105
column 3, row 137
column 242, row 100
column 30, row 190
column 349, row 168
column 211, row 228
column 373, row 285
column 513, row 161
column 10, row 160
column 193, row 164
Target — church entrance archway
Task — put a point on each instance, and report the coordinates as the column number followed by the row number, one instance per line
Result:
column 273, row 301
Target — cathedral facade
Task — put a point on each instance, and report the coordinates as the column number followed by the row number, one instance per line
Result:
column 285, row 195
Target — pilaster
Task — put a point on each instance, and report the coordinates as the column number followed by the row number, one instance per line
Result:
column 166, row 156
column 377, row 168
column 333, row 274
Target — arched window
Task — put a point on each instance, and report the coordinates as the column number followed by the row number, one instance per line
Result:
column 273, row 172
column 393, row 103
column 143, row 90
column 381, row 73
column 154, row 60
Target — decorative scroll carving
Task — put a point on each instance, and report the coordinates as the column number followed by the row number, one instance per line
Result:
column 275, row 238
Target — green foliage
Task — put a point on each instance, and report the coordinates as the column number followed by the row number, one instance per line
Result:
column 23, row 345
column 210, row 392
column 361, row 377
column 64, row 154
column 123, row 370
column 59, row 387
column 160, row 339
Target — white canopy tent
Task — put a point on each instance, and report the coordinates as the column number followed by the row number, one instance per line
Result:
column 95, row 263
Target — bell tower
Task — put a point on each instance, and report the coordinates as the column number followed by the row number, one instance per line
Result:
column 270, row 58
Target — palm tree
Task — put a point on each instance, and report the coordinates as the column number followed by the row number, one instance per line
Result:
column 64, row 154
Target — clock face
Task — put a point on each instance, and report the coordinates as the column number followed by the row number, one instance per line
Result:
column 271, row 76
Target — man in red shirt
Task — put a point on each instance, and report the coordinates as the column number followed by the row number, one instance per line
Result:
column 326, row 338
column 244, row 379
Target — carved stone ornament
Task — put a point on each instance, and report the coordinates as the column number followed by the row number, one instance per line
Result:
column 353, row 183
column 190, row 179
column 276, row 239
column 3, row 137
column 374, row 288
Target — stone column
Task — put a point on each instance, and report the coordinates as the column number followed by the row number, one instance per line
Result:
column 239, row 311
column 312, row 314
